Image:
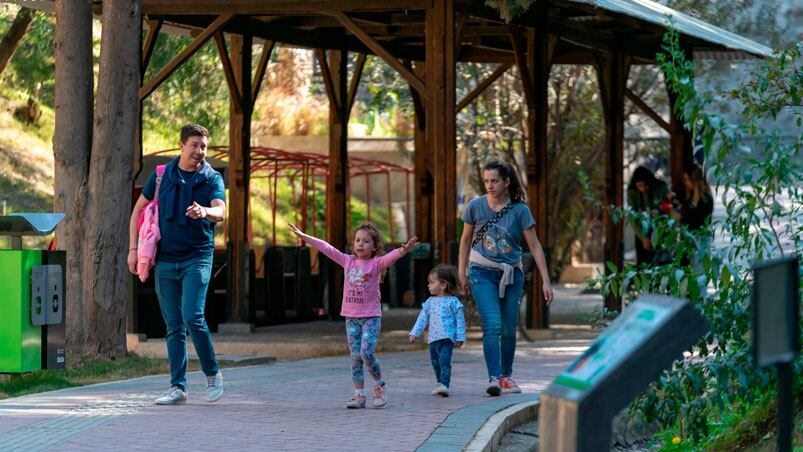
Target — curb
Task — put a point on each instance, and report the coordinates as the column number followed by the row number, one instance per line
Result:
column 489, row 437
column 480, row 427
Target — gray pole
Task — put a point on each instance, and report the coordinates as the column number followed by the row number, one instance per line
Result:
column 785, row 413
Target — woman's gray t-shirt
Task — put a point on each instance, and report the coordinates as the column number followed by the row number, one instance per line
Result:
column 502, row 241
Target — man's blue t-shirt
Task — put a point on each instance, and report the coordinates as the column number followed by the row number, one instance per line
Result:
column 502, row 241
column 197, row 237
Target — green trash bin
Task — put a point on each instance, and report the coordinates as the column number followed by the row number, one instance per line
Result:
column 31, row 297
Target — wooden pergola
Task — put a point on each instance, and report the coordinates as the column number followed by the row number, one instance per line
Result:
column 423, row 40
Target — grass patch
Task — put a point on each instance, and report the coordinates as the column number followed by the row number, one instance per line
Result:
column 85, row 372
column 89, row 371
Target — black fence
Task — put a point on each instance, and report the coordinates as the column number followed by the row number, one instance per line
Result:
column 287, row 284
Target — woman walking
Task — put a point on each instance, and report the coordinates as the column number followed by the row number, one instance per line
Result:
column 490, row 266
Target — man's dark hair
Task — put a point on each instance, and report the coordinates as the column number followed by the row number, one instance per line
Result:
column 193, row 130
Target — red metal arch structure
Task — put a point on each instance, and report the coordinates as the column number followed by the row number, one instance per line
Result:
column 306, row 167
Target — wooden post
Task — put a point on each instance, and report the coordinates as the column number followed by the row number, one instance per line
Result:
column 612, row 71
column 240, row 110
column 423, row 188
column 538, row 162
column 337, row 227
column 440, row 127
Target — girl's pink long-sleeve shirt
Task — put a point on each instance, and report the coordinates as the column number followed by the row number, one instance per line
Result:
column 361, row 295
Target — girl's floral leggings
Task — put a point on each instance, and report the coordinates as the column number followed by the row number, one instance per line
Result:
column 363, row 333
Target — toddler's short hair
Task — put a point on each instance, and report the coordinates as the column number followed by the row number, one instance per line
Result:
column 448, row 274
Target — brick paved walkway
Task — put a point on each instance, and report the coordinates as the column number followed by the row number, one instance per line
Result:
column 285, row 406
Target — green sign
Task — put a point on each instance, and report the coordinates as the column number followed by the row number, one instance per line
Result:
column 629, row 331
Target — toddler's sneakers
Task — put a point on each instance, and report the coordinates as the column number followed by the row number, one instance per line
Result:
column 441, row 390
column 509, row 386
column 380, row 395
column 357, row 401
column 173, row 396
column 493, row 389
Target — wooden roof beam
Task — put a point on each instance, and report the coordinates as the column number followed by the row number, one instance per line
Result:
column 283, row 7
column 479, row 54
column 267, row 49
column 185, row 54
column 328, row 82
column 637, row 101
column 235, row 92
column 521, row 62
column 355, row 80
column 147, row 49
column 380, row 51
column 482, row 86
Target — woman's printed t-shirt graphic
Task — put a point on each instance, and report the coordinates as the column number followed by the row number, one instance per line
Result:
column 501, row 242
column 495, row 242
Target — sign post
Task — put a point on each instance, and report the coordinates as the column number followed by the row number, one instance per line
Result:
column 776, row 331
column 576, row 411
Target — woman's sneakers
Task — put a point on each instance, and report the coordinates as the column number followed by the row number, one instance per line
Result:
column 509, row 386
column 357, row 401
column 441, row 390
column 174, row 396
column 493, row 389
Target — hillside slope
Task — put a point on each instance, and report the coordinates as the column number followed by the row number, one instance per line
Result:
column 26, row 159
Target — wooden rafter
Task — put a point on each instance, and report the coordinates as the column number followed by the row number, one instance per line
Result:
column 521, row 62
column 355, row 80
column 267, row 49
column 234, row 91
column 483, row 85
column 647, row 110
column 379, row 50
column 147, row 49
column 329, row 86
column 185, row 54
column 460, row 28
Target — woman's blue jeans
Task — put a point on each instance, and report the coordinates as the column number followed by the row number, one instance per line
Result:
column 181, row 287
column 499, row 317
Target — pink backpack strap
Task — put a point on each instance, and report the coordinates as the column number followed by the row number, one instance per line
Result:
column 160, row 171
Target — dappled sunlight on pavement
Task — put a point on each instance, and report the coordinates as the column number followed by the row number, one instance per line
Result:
column 296, row 405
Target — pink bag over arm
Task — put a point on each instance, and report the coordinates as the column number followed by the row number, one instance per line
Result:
column 149, row 235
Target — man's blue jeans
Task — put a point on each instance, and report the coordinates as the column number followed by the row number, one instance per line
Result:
column 181, row 287
column 499, row 317
column 440, row 353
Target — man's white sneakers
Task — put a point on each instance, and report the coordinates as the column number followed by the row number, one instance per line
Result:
column 214, row 387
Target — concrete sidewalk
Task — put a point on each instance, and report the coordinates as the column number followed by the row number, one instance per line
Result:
column 296, row 405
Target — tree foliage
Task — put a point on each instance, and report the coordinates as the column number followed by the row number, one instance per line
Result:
column 759, row 183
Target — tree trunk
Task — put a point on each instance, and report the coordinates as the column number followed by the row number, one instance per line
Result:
column 106, row 277
column 72, row 141
column 14, row 35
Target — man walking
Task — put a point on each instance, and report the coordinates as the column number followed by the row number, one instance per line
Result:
column 191, row 201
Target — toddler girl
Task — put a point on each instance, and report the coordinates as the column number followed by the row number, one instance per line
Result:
column 447, row 325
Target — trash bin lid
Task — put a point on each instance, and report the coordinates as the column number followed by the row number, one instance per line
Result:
column 29, row 223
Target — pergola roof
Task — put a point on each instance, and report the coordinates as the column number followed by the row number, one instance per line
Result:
column 658, row 14
column 636, row 26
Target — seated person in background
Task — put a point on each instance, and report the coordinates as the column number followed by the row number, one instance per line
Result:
column 645, row 194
